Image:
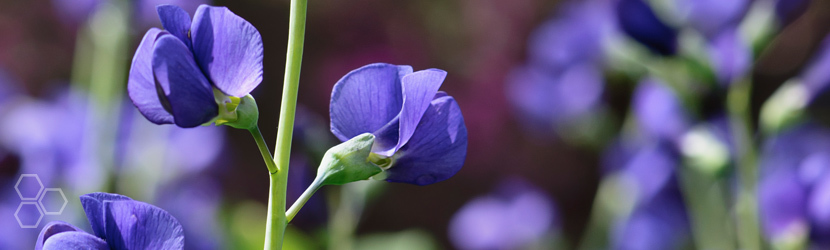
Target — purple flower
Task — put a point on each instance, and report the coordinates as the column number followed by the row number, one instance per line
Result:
column 730, row 56
column 547, row 98
column 815, row 75
column 782, row 200
column 177, row 72
column 118, row 222
column 650, row 167
column 660, row 113
column 793, row 191
column 575, row 36
column 788, row 10
column 640, row 22
column 711, row 17
column 420, row 135
column 517, row 214
column 658, row 224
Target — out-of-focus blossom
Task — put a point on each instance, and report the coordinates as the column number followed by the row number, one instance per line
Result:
column 815, row 75
column 546, row 98
column 711, row 17
column 574, row 36
column 301, row 176
column 517, row 214
column 118, row 222
column 658, row 224
column 660, row 113
column 195, row 203
column 191, row 72
column 638, row 20
column 562, row 80
column 793, row 190
column 788, row 10
column 730, row 56
column 649, row 166
column 782, row 202
column 420, row 135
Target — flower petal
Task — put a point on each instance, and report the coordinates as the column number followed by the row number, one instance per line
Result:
column 53, row 228
column 436, row 150
column 228, row 49
column 366, row 99
column 138, row 225
column 187, row 90
column 638, row 20
column 94, row 208
column 75, row 240
column 419, row 89
column 176, row 21
column 141, row 84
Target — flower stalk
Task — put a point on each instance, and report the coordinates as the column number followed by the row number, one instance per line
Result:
column 277, row 221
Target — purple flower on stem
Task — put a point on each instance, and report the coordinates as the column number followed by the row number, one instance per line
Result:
column 191, row 72
column 639, row 21
column 118, row 222
column 420, row 136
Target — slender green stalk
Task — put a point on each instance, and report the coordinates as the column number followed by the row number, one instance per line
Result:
column 746, row 206
column 263, row 149
column 276, row 221
column 303, row 199
column 707, row 208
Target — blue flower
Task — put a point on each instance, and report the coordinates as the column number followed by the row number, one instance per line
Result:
column 517, row 215
column 420, row 135
column 118, row 222
column 187, row 73
column 730, row 56
column 660, row 114
column 794, row 190
column 640, row 22
column 711, row 17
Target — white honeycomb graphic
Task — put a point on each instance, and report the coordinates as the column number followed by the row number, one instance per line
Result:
column 37, row 200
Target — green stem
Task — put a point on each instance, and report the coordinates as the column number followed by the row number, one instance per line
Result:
column 276, row 221
column 263, row 149
column 295, row 208
column 746, row 206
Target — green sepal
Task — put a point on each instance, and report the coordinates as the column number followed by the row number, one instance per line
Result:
column 241, row 113
column 348, row 162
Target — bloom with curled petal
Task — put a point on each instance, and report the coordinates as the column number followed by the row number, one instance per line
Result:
column 118, row 222
column 420, row 136
column 192, row 72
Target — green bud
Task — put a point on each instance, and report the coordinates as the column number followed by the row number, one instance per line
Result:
column 241, row 113
column 785, row 107
column 348, row 162
column 703, row 151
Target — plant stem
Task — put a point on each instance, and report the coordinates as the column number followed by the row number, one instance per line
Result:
column 295, row 208
column 746, row 205
column 276, row 221
column 263, row 149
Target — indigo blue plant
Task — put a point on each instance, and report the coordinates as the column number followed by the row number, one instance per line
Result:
column 420, row 135
column 118, row 222
column 196, row 72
